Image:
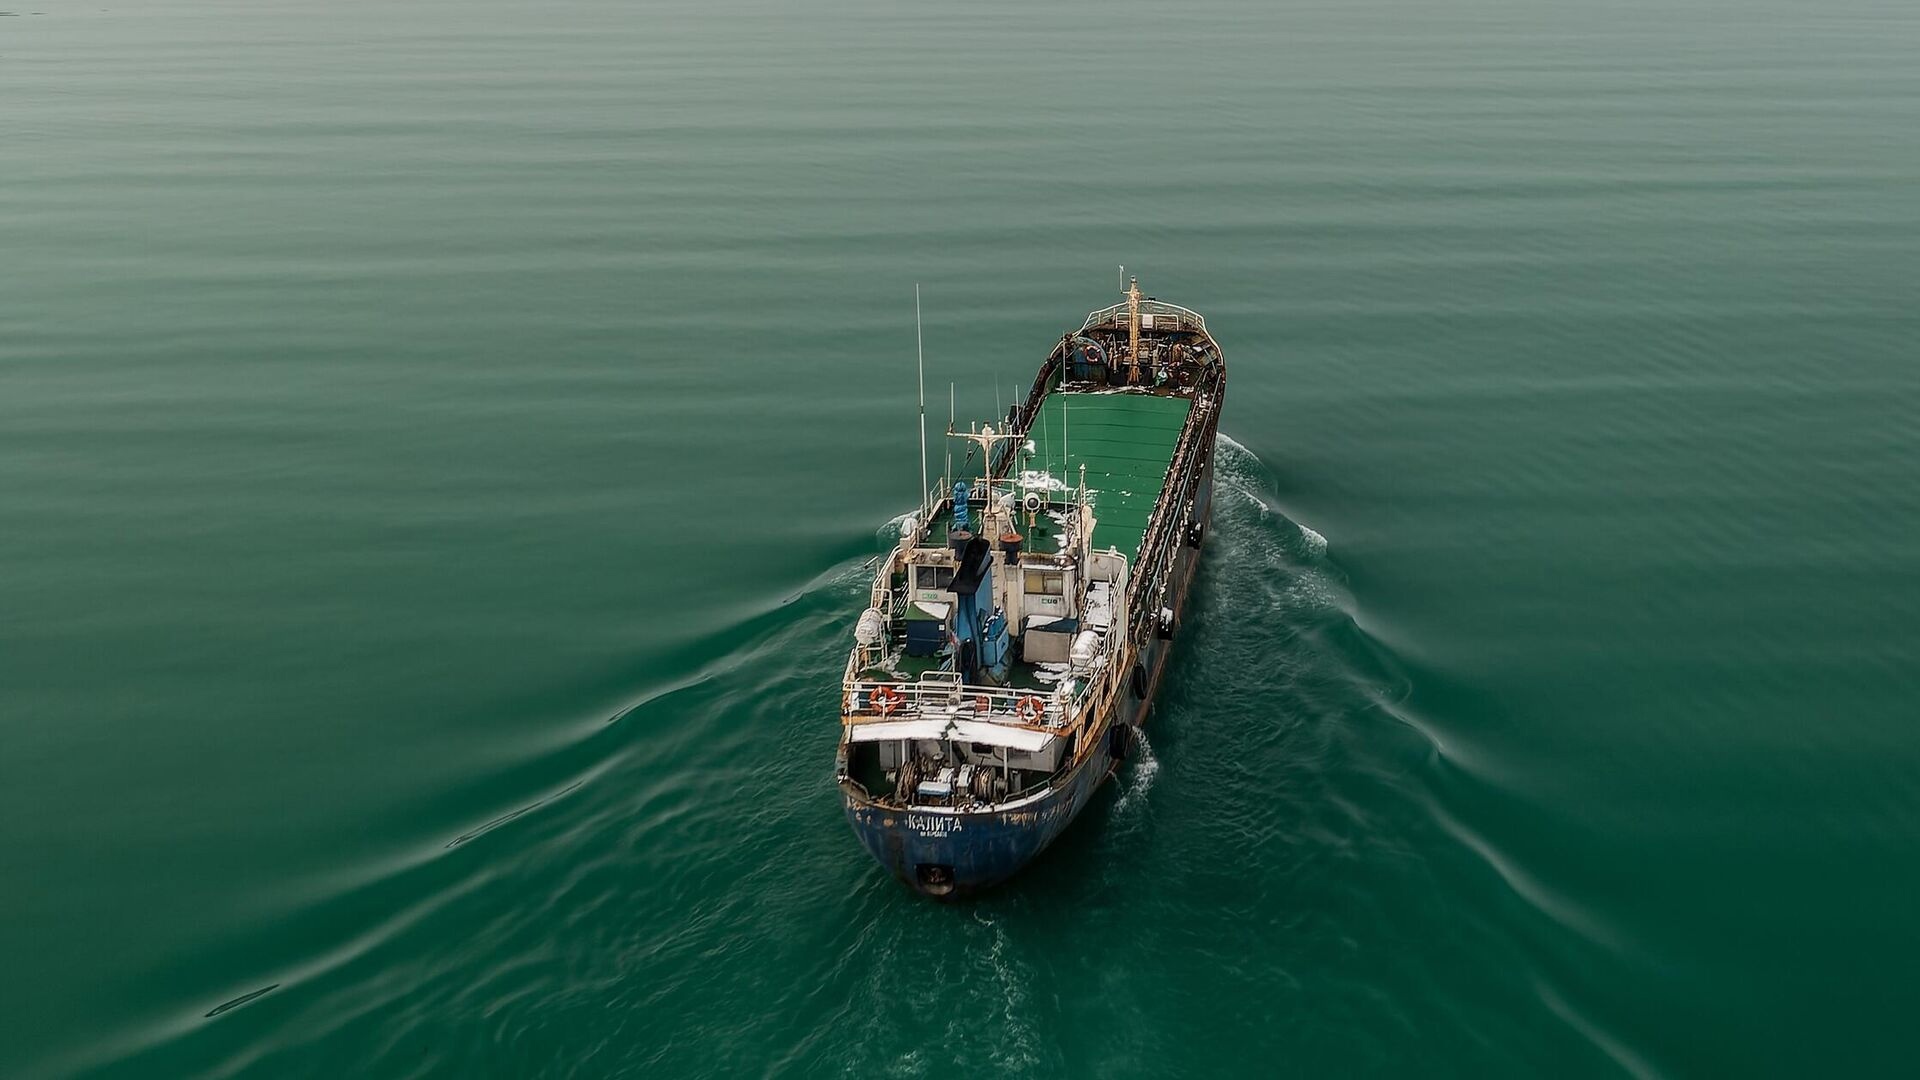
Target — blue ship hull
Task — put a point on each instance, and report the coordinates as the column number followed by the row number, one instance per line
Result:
column 951, row 855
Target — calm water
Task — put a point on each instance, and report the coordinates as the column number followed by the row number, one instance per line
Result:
column 438, row 444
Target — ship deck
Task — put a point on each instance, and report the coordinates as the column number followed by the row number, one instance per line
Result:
column 1126, row 441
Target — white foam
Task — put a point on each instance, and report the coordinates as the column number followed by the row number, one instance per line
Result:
column 1140, row 777
column 1038, row 480
column 1234, row 444
column 1065, row 525
column 1014, row 1045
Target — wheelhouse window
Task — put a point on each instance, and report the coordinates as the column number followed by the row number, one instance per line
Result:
column 1045, row 583
column 934, row 577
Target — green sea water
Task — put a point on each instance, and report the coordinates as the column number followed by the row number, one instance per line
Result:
column 439, row 443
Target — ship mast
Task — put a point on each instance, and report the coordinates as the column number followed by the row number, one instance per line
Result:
column 920, row 350
column 988, row 440
column 1133, row 331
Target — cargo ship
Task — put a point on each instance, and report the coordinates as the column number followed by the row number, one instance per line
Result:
column 1017, row 632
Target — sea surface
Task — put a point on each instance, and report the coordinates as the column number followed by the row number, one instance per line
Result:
column 439, row 444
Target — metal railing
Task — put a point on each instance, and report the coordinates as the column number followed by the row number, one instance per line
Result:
column 1118, row 313
column 946, row 698
column 1173, row 515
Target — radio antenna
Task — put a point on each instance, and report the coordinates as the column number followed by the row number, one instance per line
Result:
column 920, row 349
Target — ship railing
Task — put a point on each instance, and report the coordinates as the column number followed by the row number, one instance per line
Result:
column 881, row 597
column 1188, row 318
column 1173, row 516
column 863, row 701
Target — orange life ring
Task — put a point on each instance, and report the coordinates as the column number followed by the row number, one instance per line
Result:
column 887, row 699
column 1032, row 709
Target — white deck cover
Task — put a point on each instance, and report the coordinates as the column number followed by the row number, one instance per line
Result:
column 979, row 731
